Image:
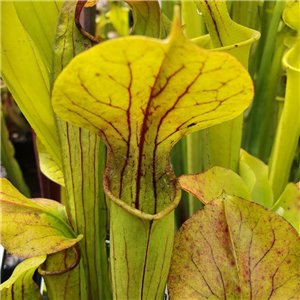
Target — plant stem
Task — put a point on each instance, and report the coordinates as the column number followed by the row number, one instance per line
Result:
column 167, row 8
column 178, row 158
column 287, row 134
column 140, row 254
column 195, row 143
column 82, row 161
column 80, row 154
column 260, row 108
column 192, row 20
column 224, row 140
column 196, row 163
column 245, row 13
column 267, row 14
column 265, row 136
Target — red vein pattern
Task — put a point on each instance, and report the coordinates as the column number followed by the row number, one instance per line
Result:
column 235, row 249
column 80, row 157
column 141, row 107
column 21, row 285
column 141, row 96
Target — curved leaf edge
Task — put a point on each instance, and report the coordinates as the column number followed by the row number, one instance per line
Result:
column 67, row 269
column 136, row 212
column 223, row 199
column 176, row 30
column 189, row 190
column 21, row 285
column 38, row 205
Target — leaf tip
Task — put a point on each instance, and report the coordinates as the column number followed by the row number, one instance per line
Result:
column 79, row 237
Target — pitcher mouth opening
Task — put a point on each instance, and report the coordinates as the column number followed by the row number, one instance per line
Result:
column 252, row 36
column 136, row 212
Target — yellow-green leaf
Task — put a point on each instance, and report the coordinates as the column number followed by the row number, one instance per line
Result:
column 235, row 249
column 83, row 158
column 288, row 129
column 20, row 286
column 212, row 183
column 31, row 227
column 39, row 20
column 27, row 78
column 224, row 140
column 255, row 174
column 47, row 165
column 288, row 205
column 148, row 19
column 291, row 15
column 223, row 31
column 118, row 16
column 62, row 283
column 143, row 95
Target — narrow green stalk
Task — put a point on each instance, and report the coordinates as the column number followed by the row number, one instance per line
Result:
column 82, row 161
column 103, row 226
column 224, row 140
column 260, row 108
column 178, row 159
column 245, row 13
column 196, row 162
column 267, row 94
column 267, row 14
column 140, row 254
column 80, row 155
column 287, row 134
column 167, row 8
column 280, row 104
column 193, row 22
column 194, row 28
column 140, row 126
column 240, row 13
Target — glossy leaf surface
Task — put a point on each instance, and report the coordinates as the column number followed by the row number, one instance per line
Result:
column 140, row 254
column 255, row 174
column 149, row 20
column 290, row 15
column 288, row 205
column 288, row 129
column 141, row 96
column 39, row 20
column 31, row 227
column 118, row 16
column 212, row 183
column 27, row 78
column 224, row 33
column 235, row 249
column 224, row 140
column 20, row 286
column 47, row 165
column 64, row 284
column 83, row 159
